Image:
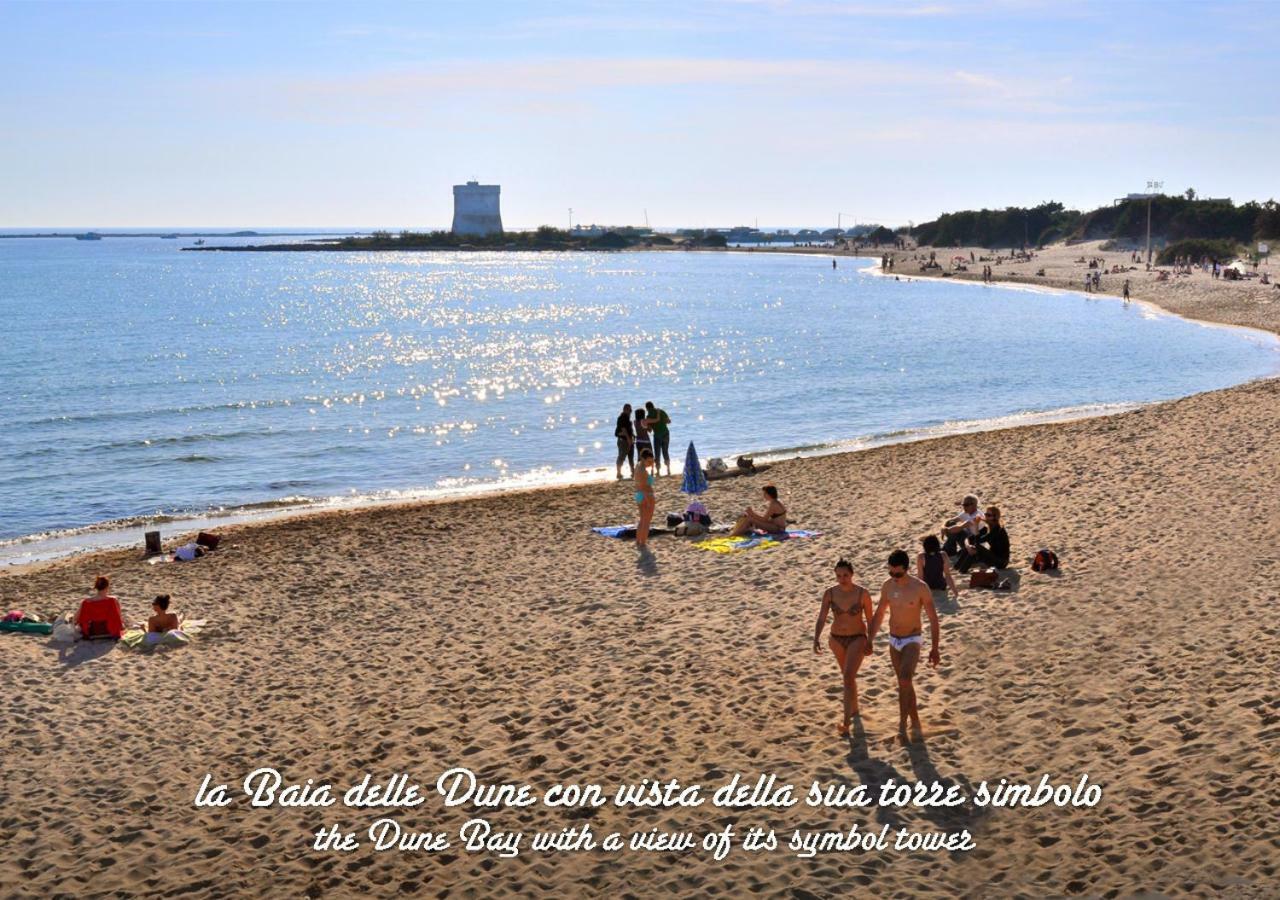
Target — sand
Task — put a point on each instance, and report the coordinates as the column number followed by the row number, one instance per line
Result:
column 500, row 634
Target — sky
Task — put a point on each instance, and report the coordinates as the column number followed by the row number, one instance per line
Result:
column 784, row 113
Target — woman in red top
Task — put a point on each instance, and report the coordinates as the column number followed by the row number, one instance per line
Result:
column 101, row 610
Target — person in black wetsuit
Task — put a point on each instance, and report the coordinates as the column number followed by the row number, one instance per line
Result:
column 989, row 547
column 933, row 567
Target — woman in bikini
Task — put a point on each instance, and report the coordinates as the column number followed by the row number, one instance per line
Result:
column 850, row 605
column 644, row 496
column 773, row 521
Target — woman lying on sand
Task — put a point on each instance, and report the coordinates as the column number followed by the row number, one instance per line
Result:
column 851, row 605
column 774, row 520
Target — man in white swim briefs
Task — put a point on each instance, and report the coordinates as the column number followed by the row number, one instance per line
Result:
column 905, row 597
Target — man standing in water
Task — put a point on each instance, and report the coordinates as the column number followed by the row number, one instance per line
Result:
column 905, row 598
column 658, row 420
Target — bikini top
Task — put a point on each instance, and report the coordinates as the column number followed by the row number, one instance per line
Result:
column 847, row 622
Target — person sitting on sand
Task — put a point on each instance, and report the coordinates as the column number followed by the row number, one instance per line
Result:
column 933, row 567
column 850, row 604
column 162, row 620
column 989, row 547
column 644, row 496
column 114, row 616
column 962, row 525
column 772, row 521
column 905, row 598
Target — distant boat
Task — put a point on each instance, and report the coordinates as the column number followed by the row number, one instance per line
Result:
column 200, row 243
column 89, row 236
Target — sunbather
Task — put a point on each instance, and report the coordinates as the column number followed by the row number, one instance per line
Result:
column 188, row 552
column 772, row 521
column 100, row 614
column 962, row 525
column 162, row 620
column 990, row 547
column 933, row 567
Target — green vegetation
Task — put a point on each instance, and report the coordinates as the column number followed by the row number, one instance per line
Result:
column 544, row 238
column 1196, row 249
column 1175, row 218
column 1013, row 226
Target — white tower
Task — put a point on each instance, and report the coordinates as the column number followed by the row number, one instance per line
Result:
column 475, row 208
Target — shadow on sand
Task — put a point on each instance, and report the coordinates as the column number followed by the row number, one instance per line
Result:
column 875, row 773
column 72, row 655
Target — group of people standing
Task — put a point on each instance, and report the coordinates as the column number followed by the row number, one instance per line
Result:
column 972, row 537
column 648, row 429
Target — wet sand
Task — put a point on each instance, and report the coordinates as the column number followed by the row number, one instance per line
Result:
column 501, row 634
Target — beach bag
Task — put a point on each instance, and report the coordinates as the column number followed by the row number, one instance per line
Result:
column 205, row 539
column 716, row 464
column 65, row 633
column 1045, row 561
column 674, row 519
column 983, row 578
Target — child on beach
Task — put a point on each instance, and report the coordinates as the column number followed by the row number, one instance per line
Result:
column 644, row 495
column 850, row 604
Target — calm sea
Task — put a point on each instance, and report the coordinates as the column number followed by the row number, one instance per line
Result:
column 139, row 383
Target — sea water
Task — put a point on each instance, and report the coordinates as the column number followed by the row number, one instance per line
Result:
column 139, row 382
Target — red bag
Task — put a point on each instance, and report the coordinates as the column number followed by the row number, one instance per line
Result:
column 983, row 578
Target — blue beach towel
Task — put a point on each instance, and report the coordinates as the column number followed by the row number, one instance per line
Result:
column 615, row 531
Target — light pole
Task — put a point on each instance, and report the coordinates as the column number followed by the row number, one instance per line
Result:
column 1152, row 186
column 571, row 218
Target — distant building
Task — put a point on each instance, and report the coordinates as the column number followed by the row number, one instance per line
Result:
column 475, row 208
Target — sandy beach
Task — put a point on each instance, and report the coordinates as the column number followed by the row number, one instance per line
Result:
column 501, row 634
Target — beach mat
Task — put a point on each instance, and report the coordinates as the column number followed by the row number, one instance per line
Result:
column 27, row 627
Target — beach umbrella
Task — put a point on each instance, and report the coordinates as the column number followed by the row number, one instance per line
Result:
column 695, row 482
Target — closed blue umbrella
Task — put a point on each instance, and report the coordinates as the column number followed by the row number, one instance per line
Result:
column 695, row 482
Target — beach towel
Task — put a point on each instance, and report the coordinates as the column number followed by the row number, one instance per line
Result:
column 147, row 641
column 628, row 532
column 616, row 531
column 756, row 540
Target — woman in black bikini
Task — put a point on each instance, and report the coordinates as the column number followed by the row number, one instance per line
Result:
column 850, row 604
column 774, row 520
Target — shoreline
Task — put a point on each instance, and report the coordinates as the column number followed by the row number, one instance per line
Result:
column 115, row 534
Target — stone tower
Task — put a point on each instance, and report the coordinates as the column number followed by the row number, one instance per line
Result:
column 475, row 208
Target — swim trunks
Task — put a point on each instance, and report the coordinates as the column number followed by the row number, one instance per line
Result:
column 900, row 643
